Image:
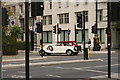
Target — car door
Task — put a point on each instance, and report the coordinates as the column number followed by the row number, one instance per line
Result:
column 59, row 48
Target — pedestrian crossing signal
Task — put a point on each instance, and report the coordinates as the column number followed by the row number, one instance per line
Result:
column 54, row 29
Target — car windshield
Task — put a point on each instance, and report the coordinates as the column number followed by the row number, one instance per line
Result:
column 64, row 44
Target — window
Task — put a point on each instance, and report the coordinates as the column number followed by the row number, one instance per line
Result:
column 79, row 36
column 63, row 18
column 86, row 1
column 67, row 3
column 86, row 15
column 77, row 2
column 64, row 36
column 101, row 35
column 44, row 20
column 66, row 18
column 59, row 4
column 100, row 15
column 21, row 8
column 50, row 19
column 50, row 4
column 47, row 20
column 47, row 37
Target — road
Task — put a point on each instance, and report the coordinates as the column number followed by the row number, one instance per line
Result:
column 95, row 69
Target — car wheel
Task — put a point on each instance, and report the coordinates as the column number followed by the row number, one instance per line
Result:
column 69, row 52
column 76, row 53
column 42, row 52
column 50, row 48
column 48, row 54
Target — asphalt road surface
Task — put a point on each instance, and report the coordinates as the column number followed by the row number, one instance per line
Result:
column 73, row 70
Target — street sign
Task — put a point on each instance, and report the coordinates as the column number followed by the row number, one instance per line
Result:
column 12, row 22
column 69, row 32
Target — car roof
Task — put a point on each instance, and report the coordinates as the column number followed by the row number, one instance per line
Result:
column 65, row 41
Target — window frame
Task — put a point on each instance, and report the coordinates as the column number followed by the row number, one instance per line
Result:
column 65, row 37
column 86, row 38
column 102, row 42
column 50, row 3
column 86, row 15
column 48, row 32
column 100, row 15
column 63, row 18
column 47, row 20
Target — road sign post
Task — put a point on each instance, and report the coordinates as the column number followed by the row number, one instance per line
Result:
column 68, row 33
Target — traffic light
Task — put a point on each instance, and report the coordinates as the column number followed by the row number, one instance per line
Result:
column 79, row 25
column 54, row 29
column 115, row 11
column 37, row 8
column 41, row 43
column 107, row 30
column 109, row 39
column 39, row 27
column 76, row 31
column 94, row 29
column 4, row 17
column 32, row 40
column 79, row 20
column 59, row 30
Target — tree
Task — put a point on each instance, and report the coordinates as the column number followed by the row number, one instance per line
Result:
column 17, row 32
column 9, row 42
column 117, row 25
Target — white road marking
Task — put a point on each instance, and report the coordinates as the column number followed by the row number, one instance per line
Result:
column 114, row 75
column 77, row 68
column 15, row 76
column 88, row 68
column 54, row 76
column 21, row 72
column 3, row 70
column 96, row 71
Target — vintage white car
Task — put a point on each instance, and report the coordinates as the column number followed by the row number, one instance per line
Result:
column 67, row 47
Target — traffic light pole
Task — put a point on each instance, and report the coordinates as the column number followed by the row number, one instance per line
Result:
column 109, row 39
column 0, row 41
column 27, row 39
column 84, row 34
column 57, row 32
column 96, row 17
column 41, row 40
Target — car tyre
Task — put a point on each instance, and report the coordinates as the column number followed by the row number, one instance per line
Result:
column 69, row 52
column 42, row 52
column 50, row 48
column 76, row 53
column 48, row 54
